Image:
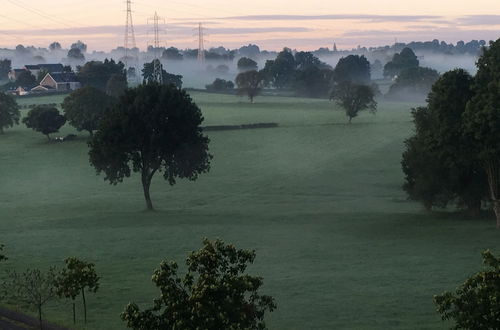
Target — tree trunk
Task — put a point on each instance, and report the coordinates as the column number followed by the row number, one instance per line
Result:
column 146, row 184
column 492, row 171
column 40, row 316
column 84, row 306
column 48, row 136
column 350, row 119
column 74, row 313
column 496, row 207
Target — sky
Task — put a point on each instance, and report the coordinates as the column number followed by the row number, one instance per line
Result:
column 272, row 24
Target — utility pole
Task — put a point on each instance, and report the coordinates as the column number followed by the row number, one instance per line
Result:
column 129, row 32
column 158, row 68
column 201, row 45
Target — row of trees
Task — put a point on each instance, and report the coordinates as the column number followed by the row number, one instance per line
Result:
column 35, row 288
column 454, row 155
column 215, row 293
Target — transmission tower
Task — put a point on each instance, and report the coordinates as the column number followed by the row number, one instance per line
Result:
column 201, row 44
column 158, row 67
column 129, row 32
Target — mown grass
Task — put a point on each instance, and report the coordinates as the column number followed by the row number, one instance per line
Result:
column 337, row 243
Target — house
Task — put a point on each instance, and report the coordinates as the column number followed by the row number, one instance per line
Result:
column 14, row 73
column 59, row 82
column 50, row 68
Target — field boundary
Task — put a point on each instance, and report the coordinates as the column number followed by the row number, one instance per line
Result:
column 238, row 127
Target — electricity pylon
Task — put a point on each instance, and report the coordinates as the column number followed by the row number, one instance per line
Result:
column 129, row 32
column 201, row 44
column 157, row 66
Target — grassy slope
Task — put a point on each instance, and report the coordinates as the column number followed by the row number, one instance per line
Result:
column 337, row 242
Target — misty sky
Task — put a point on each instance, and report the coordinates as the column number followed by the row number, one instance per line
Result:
column 272, row 24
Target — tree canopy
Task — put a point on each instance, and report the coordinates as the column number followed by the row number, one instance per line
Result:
column 354, row 69
column 152, row 128
column 476, row 303
column 413, row 84
column 400, row 62
column 482, row 119
column 45, row 119
column 249, row 84
column 97, row 74
column 354, row 98
column 9, row 112
column 215, row 293
column 439, row 162
column 85, row 107
column 220, row 85
column 247, row 64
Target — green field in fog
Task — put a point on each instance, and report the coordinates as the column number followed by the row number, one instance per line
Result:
column 338, row 244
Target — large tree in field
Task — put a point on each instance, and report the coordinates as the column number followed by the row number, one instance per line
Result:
column 9, row 112
column 400, row 62
column 77, row 277
column 482, row 119
column 153, row 128
column 439, row 162
column 45, row 119
column 216, row 293
column 85, row 107
column 354, row 98
column 476, row 303
column 249, row 84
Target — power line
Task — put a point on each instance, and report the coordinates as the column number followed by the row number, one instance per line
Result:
column 129, row 32
column 39, row 13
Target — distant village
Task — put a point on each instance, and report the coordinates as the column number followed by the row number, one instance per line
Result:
column 54, row 78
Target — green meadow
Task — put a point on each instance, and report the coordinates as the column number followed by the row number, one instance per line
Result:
column 337, row 241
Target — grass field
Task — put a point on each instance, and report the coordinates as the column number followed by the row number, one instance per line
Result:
column 337, row 242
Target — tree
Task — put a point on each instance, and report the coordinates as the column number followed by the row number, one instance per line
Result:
column 216, row 293
column 168, row 78
column 172, row 54
column 354, row 69
column 476, row 303
column 153, row 128
column 33, row 289
column 280, row 72
column 79, row 45
column 313, row 81
column 247, row 64
column 354, row 98
column 400, row 62
column 438, row 163
column 78, row 276
column 482, row 119
column 117, row 84
column 97, row 74
column 26, row 79
column 85, row 107
column 41, row 74
column 9, row 112
column 413, row 84
column 76, row 54
column 220, row 85
column 249, row 83
column 2, row 256
column 5, row 67
column 55, row 46
column 45, row 119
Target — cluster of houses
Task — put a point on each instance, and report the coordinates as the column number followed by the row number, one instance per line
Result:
column 56, row 79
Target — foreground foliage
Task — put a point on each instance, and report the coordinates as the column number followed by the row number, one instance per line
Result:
column 476, row 303
column 152, row 128
column 74, row 279
column 32, row 288
column 215, row 294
